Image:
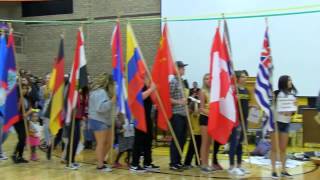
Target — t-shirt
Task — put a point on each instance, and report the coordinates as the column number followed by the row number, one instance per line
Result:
column 244, row 100
column 195, row 92
column 176, row 92
column 100, row 106
column 281, row 117
column 35, row 128
column 128, row 130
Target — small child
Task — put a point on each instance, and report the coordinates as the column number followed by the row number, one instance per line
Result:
column 125, row 133
column 34, row 134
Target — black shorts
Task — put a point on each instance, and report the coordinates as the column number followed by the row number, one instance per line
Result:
column 203, row 120
column 283, row 127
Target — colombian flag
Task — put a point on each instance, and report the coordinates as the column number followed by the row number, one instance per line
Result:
column 136, row 74
column 56, row 116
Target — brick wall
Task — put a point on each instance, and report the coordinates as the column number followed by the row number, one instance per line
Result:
column 41, row 41
column 10, row 10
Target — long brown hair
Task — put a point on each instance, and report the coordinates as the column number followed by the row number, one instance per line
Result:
column 104, row 81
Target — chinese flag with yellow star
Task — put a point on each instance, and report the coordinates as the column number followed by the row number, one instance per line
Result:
column 161, row 71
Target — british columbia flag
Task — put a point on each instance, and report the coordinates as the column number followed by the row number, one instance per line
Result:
column 263, row 87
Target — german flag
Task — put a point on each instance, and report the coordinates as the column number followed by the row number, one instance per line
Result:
column 56, row 109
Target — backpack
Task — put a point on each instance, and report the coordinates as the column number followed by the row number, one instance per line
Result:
column 263, row 147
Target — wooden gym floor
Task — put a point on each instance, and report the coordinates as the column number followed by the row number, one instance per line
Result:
column 54, row 169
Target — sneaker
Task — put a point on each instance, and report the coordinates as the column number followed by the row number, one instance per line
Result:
column 3, row 157
column 285, row 174
column 206, row 169
column 152, row 168
column 21, row 160
column 236, row 172
column 76, row 164
column 137, row 169
column 14, row 158
column 188, row 166
column 182, row 166
column 217, row 167
column 73, row 166
column 176, row 167
column 245, row 170
column 34, row 157
column 104, row 168
column 274, row 175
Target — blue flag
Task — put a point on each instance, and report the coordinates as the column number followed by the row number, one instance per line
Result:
column 263, row 87
column 118, row 73
column 11, row 111
column 3, row 85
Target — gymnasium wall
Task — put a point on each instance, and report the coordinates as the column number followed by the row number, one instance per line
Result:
column 41, row 40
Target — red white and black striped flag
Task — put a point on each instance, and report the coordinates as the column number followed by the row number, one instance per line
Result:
column 78, row 78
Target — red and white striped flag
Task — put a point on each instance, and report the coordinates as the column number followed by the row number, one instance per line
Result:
column 78, row 77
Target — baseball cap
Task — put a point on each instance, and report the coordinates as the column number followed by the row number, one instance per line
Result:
column 180, row 64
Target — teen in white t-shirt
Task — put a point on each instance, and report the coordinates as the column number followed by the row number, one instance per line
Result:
column 286, row 107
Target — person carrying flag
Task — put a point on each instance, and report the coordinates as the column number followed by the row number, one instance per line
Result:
column 179, row 118
column 236, row 137
column 143, row 140
column 17, row 156
column 101, row 100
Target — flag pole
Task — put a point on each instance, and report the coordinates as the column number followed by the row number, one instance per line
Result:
column 73, row 115
column 113, row 118
column 275, row 115
column 175, row 140
column 21, row 100
column 71, row 137
column 187, row 110
column 237, row 92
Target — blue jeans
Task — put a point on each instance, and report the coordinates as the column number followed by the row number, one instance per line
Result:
column 236, row 145
column 179, row 126
column 95, row 125
column 47, row 134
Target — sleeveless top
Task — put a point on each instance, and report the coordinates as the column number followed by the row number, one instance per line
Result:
column 206, row 101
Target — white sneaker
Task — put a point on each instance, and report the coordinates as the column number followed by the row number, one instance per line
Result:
column 3, row 157
column 206, row 169
column 245, row 170
column 73, row 166
column 137, row 169
column 236, row 172
column 105, row 168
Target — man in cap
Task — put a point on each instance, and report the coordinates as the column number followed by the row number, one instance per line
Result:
column 179, row 116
